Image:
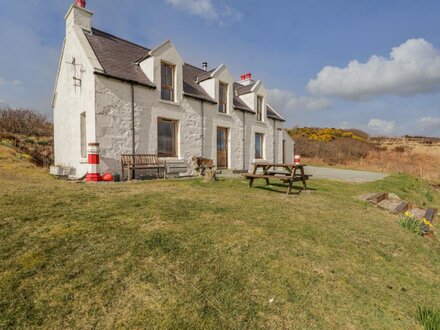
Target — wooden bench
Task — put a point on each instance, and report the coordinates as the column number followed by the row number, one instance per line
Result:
column 140, row 161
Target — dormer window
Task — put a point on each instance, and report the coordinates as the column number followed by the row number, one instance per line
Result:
column 223, row 98
column 259, row 108
column 167, row 82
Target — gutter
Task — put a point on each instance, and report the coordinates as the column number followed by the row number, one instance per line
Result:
column 244, row 140
column 133, row 132
column 199, row 98
column 274, row 137
column 129, row 81
column 202, row 136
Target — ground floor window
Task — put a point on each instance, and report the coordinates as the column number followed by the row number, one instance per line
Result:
column 167, row 137
column 259, row 139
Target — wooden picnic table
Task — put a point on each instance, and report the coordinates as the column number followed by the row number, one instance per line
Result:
column 289, row 174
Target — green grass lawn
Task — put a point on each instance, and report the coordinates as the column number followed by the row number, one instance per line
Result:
column 183, row 254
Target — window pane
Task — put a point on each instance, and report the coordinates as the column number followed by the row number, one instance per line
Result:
column 169, row 75
column 163, row 74
column 166, row 138
column 166, row 94
column 258, row 146
column 167, row 82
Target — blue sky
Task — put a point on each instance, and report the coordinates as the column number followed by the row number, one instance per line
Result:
column 373, row 65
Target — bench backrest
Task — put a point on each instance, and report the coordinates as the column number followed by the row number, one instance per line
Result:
column 139, row 159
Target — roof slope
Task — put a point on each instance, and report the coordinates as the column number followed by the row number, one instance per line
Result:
column 271, row 113
column 119, row 59
column 190, row 86
column 118, row 56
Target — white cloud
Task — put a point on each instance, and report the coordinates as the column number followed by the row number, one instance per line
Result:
column 287, row 100
column 412, row 68
column 205, row 9
column 429, row 125
column 379, row 126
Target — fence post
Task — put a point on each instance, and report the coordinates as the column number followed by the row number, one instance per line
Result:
column 93, row 163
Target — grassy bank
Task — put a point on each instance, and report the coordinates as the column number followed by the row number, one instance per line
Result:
column 184, row 254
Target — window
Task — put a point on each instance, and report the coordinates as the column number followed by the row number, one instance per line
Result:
column 223, row 98
column 259, row 139
column 167, row 85
column 167, row 137
column 259, row 108
column 83, row 132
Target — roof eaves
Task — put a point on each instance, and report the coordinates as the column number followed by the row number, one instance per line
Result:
column 199, row 97
column 244, row 109
column 106, row 75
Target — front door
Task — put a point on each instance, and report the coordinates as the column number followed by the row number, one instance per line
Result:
column 222, row 147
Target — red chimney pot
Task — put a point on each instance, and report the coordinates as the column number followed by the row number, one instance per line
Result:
column 248, row 75
column 80, row 3
column 243, row 77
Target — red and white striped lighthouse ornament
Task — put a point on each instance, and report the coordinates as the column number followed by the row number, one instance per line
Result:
column 297, row 160
column 80, row 3
column 93, row 163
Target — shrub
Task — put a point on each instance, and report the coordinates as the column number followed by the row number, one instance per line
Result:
column 25, row 122
column 429, row 318
column 338, row 150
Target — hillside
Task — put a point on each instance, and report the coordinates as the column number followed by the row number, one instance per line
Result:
column 185, row 254
column 417, row 156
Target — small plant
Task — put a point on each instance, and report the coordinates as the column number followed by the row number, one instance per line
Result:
column 409, row 222
column 429, row 318
column 25, row 156
column 7, row 143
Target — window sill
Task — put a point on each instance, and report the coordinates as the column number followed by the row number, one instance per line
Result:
column 169, row 102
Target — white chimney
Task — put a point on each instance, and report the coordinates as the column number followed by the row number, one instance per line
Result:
column 79, row 16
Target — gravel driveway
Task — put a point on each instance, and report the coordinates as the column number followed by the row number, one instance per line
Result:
column 344, row 175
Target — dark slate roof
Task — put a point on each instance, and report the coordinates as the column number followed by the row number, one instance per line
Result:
column 204, row 76
column 190, row 86
column 241, row 90
column 118, row 56
column 238, row 103
column 270, row 113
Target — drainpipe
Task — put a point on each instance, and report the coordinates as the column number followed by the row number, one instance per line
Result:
column 202, row 136
column 244, row 140
column 133, row 136
column 274, row 137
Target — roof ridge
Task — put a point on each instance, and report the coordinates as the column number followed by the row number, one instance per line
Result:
column 122, row 39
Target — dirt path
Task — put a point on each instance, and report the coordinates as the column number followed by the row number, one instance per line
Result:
column 344, row 175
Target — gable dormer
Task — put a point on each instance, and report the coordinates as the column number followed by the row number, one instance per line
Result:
column 219, row 85
column 253, row 94
column 163, row 66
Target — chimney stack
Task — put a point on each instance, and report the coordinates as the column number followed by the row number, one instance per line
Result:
column 246, row 79
column 205, row 66
column 79, row 16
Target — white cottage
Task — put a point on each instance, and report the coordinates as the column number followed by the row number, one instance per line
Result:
column 131, row 99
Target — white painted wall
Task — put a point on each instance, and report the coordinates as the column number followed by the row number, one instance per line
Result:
column 69, row 101
column 107, row 103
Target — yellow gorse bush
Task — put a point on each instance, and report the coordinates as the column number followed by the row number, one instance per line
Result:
column 324, row 134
